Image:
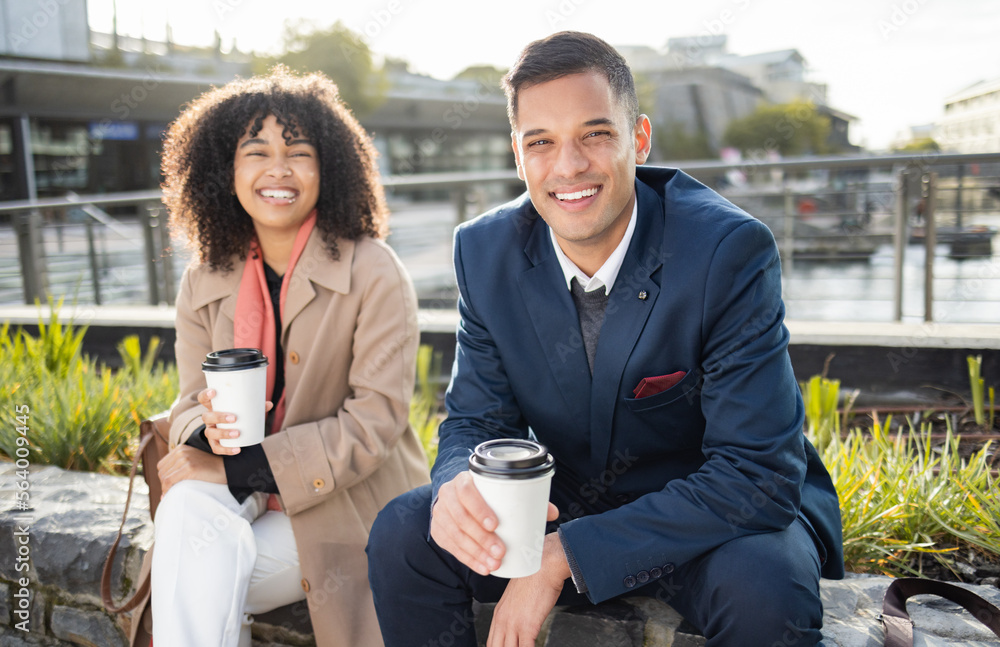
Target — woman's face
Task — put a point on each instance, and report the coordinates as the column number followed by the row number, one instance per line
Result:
column 277, row 182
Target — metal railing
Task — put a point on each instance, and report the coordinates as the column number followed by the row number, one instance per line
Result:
column 30, row 220
column 913, row 212
column 916, row 195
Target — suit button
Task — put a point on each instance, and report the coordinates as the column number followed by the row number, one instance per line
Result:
column 293, row 357
column 319, row 483
column 305, row 585
column 622, row 498
column 668, row 569
column 656, row 572
column 642, row 576
column 629, row 582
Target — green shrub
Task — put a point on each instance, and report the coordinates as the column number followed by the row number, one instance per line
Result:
column 82, row 415
column 425, row 407
column 977, row 385
column 86, row 416
column 820, row 396
column 903, row 499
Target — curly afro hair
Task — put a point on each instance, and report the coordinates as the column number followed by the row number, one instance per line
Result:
column 200, row 147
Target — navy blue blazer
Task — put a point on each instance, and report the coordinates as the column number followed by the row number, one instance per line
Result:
column 643, row 484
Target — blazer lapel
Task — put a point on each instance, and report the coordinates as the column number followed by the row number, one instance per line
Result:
column 556, row 323
column 631, row 300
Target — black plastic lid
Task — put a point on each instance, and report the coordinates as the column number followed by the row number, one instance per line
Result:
column 511, row 458
column 233, row 359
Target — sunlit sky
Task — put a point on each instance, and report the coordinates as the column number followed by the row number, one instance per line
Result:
column 891, row 63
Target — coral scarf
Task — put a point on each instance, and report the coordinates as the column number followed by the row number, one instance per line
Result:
column 254, row 325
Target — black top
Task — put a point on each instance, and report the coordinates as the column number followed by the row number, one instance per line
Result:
column 249, row 471
column 274, row 287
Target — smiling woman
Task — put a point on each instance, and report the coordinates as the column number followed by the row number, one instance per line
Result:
column 276, row 179
column 259, row 118
column 274, row 184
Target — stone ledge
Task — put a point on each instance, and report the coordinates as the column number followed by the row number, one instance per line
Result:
column 72, row 522
column 850, row 607
column 75, row 516
column 849, row 620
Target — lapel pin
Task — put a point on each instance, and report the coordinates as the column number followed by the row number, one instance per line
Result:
column 642, row 295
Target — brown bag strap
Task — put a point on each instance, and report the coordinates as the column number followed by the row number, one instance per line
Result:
column 143, row 590
column 897, row 623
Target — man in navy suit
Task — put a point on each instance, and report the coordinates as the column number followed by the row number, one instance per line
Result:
column 631, row 320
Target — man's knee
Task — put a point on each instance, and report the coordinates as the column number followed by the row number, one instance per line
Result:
column 774, row 555
column 401, row 522
column 767, row 585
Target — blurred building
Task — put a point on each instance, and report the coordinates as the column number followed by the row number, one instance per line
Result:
column 689, row 101
column 912, row 136
column 45, row 30
column 781, row 75
column 85, row 112
column 698, row 88
column 971, row 121
column 426, row 125
column 76, row 127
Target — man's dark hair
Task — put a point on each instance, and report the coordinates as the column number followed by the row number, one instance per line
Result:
column 565, row 53
column 200, row 147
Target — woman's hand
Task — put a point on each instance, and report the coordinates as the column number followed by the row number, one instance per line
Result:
column 213, row 434
column 186, row 462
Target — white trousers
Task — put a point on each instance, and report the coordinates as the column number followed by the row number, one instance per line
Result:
column 215, row 562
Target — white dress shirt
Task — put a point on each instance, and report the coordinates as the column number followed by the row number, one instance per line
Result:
column 606, row 275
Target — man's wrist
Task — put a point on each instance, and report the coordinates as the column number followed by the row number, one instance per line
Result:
column 574, row 568
column 555, row 557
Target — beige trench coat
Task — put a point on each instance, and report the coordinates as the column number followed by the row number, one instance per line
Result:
column 350, row 337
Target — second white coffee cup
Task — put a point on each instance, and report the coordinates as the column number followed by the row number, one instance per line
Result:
column 239, row 377
column 514, row 477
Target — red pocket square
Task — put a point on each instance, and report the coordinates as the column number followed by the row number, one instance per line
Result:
column 653, row 385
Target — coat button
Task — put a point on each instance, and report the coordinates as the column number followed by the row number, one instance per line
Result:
column 305, row 585
column 319, row 483
column 656, row 572
column 642, row 576
column 629, row 582
column 668, row 569
column 293, row 357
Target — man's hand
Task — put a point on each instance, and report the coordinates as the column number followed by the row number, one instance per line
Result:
column 186, row 462
column 527, row 601
column 463, row 525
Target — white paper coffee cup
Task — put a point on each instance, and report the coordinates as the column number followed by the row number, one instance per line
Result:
column 239, row 377
column 514, row 477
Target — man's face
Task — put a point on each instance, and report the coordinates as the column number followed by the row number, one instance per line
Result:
column 576, row 151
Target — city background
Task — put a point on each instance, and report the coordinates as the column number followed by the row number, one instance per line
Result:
column 844, row 155
column 864, row 133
